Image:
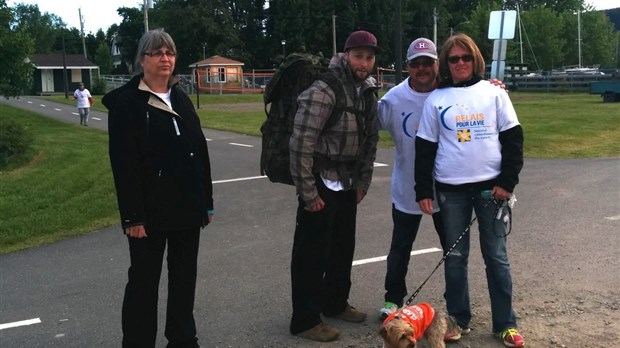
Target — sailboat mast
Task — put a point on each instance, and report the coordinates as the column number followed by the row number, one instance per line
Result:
column 579, row 33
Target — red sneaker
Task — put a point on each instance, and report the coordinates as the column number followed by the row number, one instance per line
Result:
column 512, row 338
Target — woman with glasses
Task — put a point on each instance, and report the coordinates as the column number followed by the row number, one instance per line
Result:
column 470, row 144
column 162, row 174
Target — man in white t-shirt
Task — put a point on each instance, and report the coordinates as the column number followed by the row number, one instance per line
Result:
column 83, row 97
column 399, row 113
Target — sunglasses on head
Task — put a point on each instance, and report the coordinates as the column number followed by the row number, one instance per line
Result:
column 465, row 58
column 427, row 63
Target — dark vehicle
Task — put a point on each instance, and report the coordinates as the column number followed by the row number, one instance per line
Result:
column 609, row 90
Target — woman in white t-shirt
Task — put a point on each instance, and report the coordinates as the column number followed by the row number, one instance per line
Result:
column 83, row 97
column 471, row 143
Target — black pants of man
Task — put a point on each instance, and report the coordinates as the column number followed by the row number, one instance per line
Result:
column 322, row 258
column 141, row 293
column 403, row 235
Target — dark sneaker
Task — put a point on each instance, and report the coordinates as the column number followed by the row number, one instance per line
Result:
column 350, row 314
column 387, row 309
column 321, row 333
column 512, row 338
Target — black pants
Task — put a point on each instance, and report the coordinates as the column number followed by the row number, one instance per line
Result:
column 322, row 258
column 403, row 235
column 141, row 292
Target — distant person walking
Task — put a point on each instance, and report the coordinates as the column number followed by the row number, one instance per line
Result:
column 84, row 100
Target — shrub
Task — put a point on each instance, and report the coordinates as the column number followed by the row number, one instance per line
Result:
column 15, row 144
column 99, row 87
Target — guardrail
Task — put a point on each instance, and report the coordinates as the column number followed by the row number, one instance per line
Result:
column 553, row 83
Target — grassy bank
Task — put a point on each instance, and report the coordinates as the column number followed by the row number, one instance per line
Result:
column 67, row 189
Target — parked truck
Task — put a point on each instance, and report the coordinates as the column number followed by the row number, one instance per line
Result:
column 608, row 89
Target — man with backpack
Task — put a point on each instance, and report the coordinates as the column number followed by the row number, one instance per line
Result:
column 331, row 164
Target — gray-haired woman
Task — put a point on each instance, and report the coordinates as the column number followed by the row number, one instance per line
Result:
column 162, row 174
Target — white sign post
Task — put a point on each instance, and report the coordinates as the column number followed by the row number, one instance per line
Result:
column 501, row 27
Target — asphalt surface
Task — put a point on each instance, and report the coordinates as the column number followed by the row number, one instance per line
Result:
column 566, row 220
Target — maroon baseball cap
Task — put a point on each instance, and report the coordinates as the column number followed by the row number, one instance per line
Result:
column 361, row 38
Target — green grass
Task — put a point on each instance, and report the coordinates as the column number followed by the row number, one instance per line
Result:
column 67, row 190
column 572, row 125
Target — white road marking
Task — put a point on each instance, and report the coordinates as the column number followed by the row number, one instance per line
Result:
column 613, row 218
column 59, row 336
column 380, row 164
column 57, row 109
column 244, row 145
column 383, row 258
column 96, row 118
column 43, row 105
column 240, row 179
column 20, row 323
column 74, row 113
column 207, row 139
column 29, row 102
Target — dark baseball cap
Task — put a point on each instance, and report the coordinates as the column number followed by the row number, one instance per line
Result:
column 361, row 38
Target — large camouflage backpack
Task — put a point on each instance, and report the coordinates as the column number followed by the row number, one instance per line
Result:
column 293, row 76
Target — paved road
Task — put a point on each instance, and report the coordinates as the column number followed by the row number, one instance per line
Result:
column 74, row 287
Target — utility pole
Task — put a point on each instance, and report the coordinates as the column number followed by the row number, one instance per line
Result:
column 147, row 4
column 82, row 31
column 435, row 26
column 334, row 33
column 520, row 35
column 398, row 45
column 64, row 65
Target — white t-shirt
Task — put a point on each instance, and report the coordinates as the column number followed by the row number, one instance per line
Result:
column 82, row 98
column 399, row 113
column 466, row 122
column 165, row 97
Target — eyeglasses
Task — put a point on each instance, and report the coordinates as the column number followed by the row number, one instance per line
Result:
column 455, row 59
column 160, row 54
column 415, row 64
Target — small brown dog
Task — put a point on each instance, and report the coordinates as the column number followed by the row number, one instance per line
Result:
column 403, row 328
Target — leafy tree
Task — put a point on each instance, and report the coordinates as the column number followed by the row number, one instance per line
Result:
column 43, row 28
column 16, row 46
column 543, row 35
column 249, row 17
column 597, row 39
column 129, row 32
column 103, row 58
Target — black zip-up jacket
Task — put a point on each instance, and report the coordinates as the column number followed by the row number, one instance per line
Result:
column 159, row 159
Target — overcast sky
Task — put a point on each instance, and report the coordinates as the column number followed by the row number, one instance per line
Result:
column 101, row 14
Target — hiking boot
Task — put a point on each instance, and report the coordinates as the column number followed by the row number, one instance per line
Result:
column 321, row 333
column 350, row 314
column 387, row 309
column 455, row 335
column 512, row 338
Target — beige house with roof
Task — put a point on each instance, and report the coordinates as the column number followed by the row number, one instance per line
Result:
column 218, row 75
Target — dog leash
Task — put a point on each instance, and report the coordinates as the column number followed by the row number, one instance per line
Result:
column 498, row 214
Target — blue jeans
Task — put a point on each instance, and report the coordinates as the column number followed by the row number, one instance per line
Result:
column 403, row 235
column 456, row 210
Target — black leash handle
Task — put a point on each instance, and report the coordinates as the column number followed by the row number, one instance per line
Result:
column 445, row 256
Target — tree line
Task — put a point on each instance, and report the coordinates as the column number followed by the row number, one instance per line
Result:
column 259, row 32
